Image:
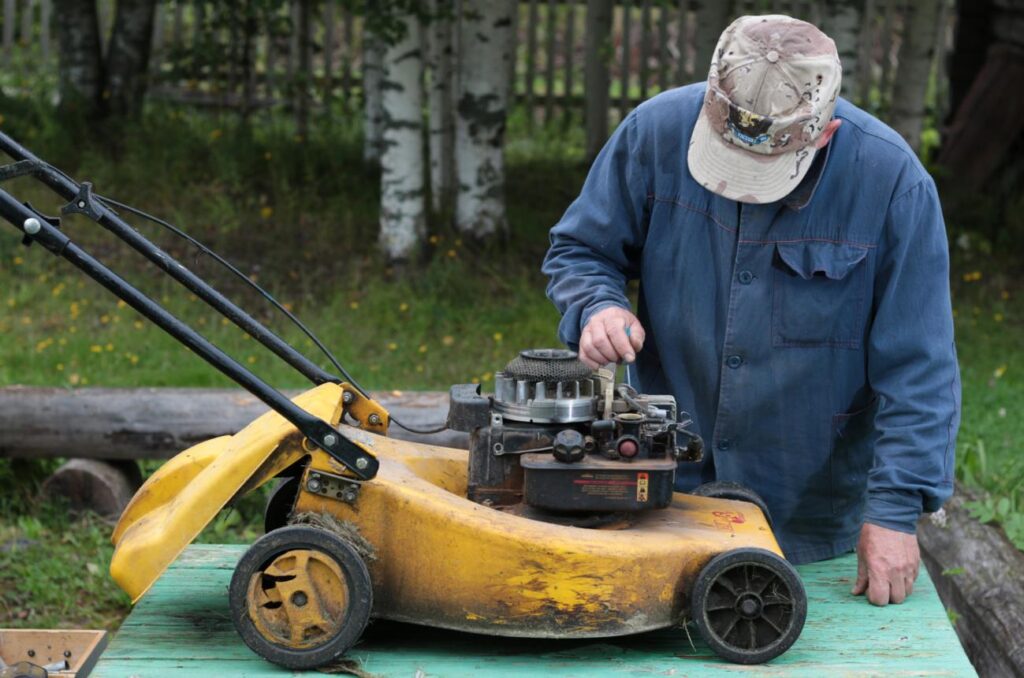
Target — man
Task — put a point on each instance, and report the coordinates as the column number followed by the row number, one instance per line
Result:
column 794, row 295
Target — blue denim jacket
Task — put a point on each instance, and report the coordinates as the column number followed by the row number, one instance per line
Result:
column 811, row 339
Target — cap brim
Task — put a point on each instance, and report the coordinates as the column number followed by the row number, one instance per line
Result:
column 742, row 175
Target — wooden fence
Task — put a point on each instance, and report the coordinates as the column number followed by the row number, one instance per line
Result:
column 651, row 47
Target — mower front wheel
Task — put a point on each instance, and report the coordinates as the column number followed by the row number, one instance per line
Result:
column 749, row 605
column 300, row 597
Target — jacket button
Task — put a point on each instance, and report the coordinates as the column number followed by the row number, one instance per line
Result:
column 724, row 444
column 746, row 277
column 734, row 361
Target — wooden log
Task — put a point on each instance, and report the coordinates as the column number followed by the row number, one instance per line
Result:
column 977, row 572
column 91, row 484
column 156, row 423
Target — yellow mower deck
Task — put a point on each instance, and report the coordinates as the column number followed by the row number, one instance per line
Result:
column 440, row 559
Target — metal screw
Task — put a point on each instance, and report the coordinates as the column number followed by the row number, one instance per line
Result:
column 350, row 496
column 362, row 462
column 347, row 398
column 81, row 204
column 330, row 440
column 375, row 420
column 313, row 485
column 32, row 226
column 299, row 599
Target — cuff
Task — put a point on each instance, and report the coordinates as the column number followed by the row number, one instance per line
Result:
column 893, row 510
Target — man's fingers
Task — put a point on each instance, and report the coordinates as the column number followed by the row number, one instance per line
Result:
column 878, row 589
column 908, row 586
column 897, row 590
column 603, row 345
column 636, row 334
column 587, row 353
column 616, row 333
column 861, row 585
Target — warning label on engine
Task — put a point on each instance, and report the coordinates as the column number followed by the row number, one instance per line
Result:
column 611, row 485
column 641, row 486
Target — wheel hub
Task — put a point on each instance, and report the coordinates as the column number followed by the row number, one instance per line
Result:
column 298, row 599
column 749, row 605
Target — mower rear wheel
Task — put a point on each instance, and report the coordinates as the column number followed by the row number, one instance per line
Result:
column 300, row 597
column 749, row 605
column 280, row 503
column 722, row 489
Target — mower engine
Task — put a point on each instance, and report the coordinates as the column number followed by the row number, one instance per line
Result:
column 560, row 437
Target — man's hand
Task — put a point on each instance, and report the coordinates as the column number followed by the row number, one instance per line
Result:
column 887, row 564
column 612, row 334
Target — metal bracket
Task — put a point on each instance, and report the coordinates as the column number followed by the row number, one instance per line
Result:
column 21, row 168
column 83, row 203
column 332, row 486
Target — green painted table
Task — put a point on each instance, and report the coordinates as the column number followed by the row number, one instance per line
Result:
column 182, row 628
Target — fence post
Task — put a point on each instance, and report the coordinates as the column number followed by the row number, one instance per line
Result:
column 597, row 51
column 549, row 63
column 531, row 58
column 570, row 53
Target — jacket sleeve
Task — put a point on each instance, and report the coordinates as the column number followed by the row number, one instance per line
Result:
column 912, row 365
column 596, row 245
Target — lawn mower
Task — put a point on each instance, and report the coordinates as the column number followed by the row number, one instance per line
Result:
column 559, row 521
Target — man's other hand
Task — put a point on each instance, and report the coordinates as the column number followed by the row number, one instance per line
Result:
column 612, row 334
column 887, row 564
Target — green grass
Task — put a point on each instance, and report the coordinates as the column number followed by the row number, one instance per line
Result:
column 301, row 217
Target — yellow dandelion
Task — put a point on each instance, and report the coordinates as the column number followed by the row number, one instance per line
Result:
column 75, row 309
column 134, row 359
column 486, row 376
column 96, row 348
column 85, row 381
column 43, row 345
column 138, row 324
column 448, row 340
column 498, row 337
column 74, row 379
column 419, row 368
column 26, row 320
column 121, row 303
column 452, row 254
column 392, row 346
column 224, row 322
column 109, row 347
column 11, row 302
column 354, row 305
column 268, row 155
column 18, row 261
column 475, row 380
column 72, row 329
column 62, row 341
column 422, row 348
column 1005, row 295
column 998, row 317
column 104, row 318
column 57, row 289
column 266, row 211
column 251, row 360
column 59, row 367
column 434, row 240
column 403, row 307
column 458, row 242
column 216, row 134
column 999, row 372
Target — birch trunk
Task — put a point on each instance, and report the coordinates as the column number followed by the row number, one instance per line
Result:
column 128, row 57
column 402, row 203
column 80, row 55
column 441, row 98
column 843, row 24
column 485, row 40
column 373, row 63
column 597, row 51
column 712, row 16
column 915, row 65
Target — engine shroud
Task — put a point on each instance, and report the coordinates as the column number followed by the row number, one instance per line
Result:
column 559, row 437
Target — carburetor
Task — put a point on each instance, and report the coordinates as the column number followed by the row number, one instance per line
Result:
column 560, row 437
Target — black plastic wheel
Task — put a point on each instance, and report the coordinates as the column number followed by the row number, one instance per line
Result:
column 721, row 489
column 300, row 597
column 749, row 605
column 280, row 503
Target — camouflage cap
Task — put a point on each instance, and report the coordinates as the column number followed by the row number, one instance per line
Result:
column 771, row 91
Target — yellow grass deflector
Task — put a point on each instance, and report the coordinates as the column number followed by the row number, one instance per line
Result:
column 184, row 495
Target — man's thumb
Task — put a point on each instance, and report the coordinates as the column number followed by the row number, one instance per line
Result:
column 861, row 585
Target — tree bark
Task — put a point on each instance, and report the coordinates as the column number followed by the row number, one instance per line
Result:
column 402, row 200
column 79, row 56
column 128, row 57
column 373, row 63
column 712, row 17
column 915, row 65
column 441, row 99
column 485, row 38
column 843, row 24
column 597, row 50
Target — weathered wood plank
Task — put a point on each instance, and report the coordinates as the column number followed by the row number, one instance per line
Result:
column 182, row 628
column 108, row 423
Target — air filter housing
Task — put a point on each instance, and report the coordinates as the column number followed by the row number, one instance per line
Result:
column 548, row 386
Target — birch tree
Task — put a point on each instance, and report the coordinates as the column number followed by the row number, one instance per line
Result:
column 402, row 202
column 440, row 64
column 596, row 79
column 373, row 63
column 485, row 43
column 842, row 23
column 914, row 69
column 80, row 55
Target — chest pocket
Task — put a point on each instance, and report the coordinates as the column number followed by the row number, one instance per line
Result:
column 820, row 294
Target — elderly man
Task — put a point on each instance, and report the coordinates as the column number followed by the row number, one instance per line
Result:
column 794, row 295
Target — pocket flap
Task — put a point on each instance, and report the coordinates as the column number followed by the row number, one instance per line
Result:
column 810, row 259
